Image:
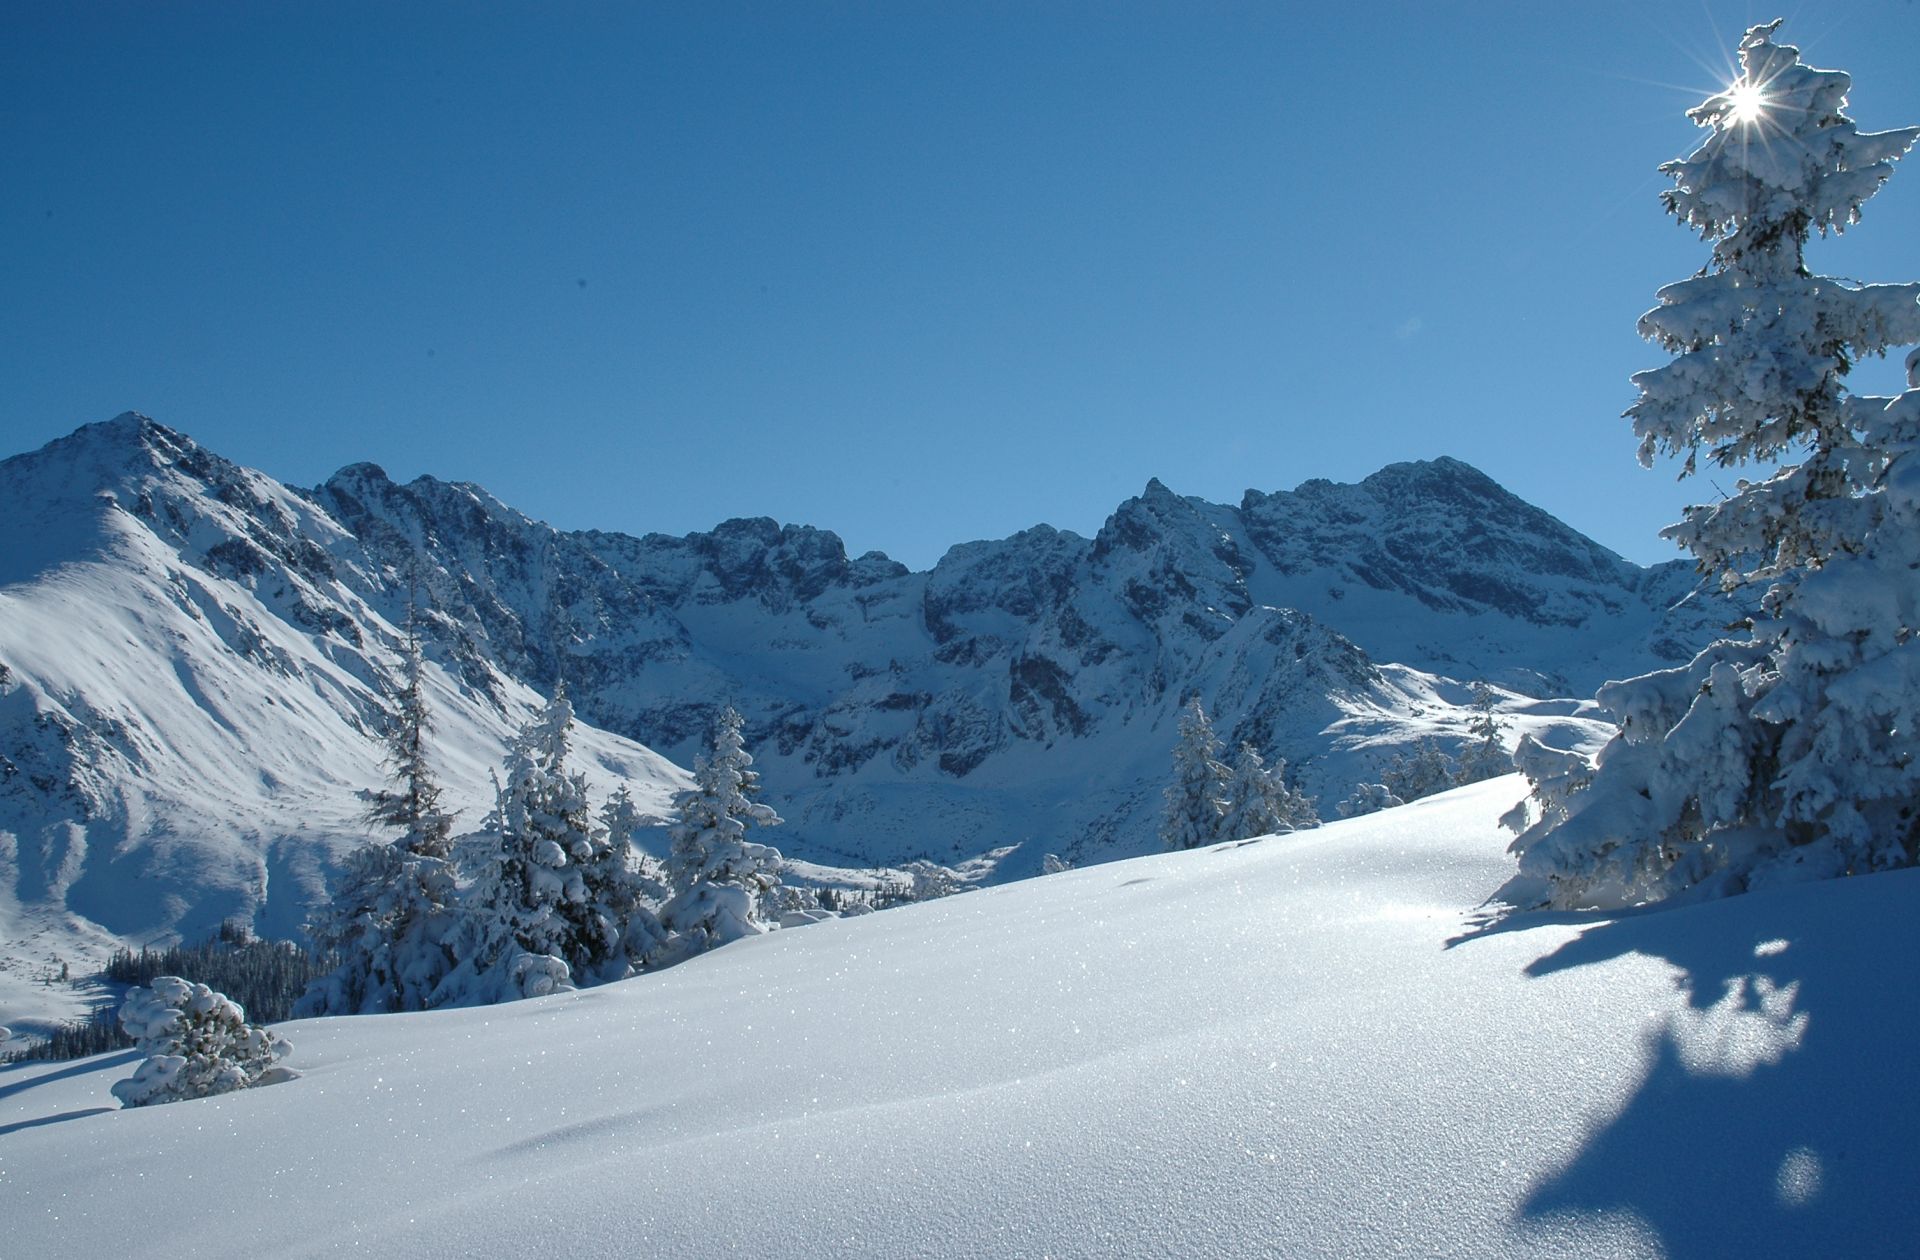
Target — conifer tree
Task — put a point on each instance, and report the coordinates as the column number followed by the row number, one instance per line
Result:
column 391, row 914
column 626, row 885
column 1198, row 793
column 720, row 879
column 1260, row 801
column 526, row 922
column 411, row 801
column 1422, row 773
column 1486, row 757
column 197, row 1042
column 1790, row 752
column 1368, row 798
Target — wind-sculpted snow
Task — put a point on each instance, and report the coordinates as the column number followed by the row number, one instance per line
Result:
column 192, row 658
column 1309, row 1045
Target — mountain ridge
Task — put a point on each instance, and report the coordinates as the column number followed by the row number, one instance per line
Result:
column 1019, row 696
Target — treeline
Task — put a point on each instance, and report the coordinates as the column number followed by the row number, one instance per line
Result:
column 264, row 977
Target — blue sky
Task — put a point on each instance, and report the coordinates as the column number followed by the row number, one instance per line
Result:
column 917, row 273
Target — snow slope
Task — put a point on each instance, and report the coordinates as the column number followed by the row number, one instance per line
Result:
column 1302, row 1046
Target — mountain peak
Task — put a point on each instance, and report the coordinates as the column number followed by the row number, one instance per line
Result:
column 98, row 456
column 363, row 472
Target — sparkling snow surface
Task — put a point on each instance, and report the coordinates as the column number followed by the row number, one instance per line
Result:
column 1276, row 1048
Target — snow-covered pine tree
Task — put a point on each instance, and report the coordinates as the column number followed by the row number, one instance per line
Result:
column 1260, row 801
column 390, row 916
column 197, row 1042
column 1487, row 756
column 530, row 923
column 627, row 884
column 411, row 800
column 1198, row 792
column 1790, row 753
column 1426, row 771
column 720, row 878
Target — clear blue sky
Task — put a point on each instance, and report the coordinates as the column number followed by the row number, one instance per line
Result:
column 917, row 273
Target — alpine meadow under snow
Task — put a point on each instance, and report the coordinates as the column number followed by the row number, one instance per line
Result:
column 571, row 1001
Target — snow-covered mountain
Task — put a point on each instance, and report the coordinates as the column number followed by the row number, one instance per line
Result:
column 191, row 655
column 192, row 666
column 1297, row 1047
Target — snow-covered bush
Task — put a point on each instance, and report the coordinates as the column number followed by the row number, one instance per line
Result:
column 197, row 1042
column 929, row 881
column 1198, row 792
column 1789, row 753
column 1368, row 798
column 1260, row 801
column 722, row 882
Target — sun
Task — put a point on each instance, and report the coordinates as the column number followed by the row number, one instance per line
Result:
column 1746, row 102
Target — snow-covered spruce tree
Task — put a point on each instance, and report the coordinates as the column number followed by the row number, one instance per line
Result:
column 627, row 884
column 1260, row 801
column 532, row 922
column 1487, row 756
column 197, row 1042
column 1198, row 792
column 391, row 914
column 1789, row 753
column 1426, row 771
column 720, row 879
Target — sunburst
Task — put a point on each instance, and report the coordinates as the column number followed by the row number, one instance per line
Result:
column 1746, row 103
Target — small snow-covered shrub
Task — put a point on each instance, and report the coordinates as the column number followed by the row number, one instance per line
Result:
column 1368, row 798
column 197, row 1042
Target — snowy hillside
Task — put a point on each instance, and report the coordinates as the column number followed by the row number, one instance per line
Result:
column 191, row 655
column 1299, row 1046
column 190, row 692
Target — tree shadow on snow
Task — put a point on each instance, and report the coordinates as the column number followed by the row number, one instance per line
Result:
column 1780, row 1111
column 80, row 1067
column 39, row 1121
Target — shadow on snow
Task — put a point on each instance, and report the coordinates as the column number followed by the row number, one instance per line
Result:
column 1780, row 1110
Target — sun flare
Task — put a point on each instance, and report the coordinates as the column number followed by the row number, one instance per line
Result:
column 1747, row 102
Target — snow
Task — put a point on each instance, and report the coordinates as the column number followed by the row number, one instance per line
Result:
column 193, row 656
column 1309, row 1045
column 206, row 753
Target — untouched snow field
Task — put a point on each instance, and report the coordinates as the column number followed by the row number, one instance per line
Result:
column 1297, row 1046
